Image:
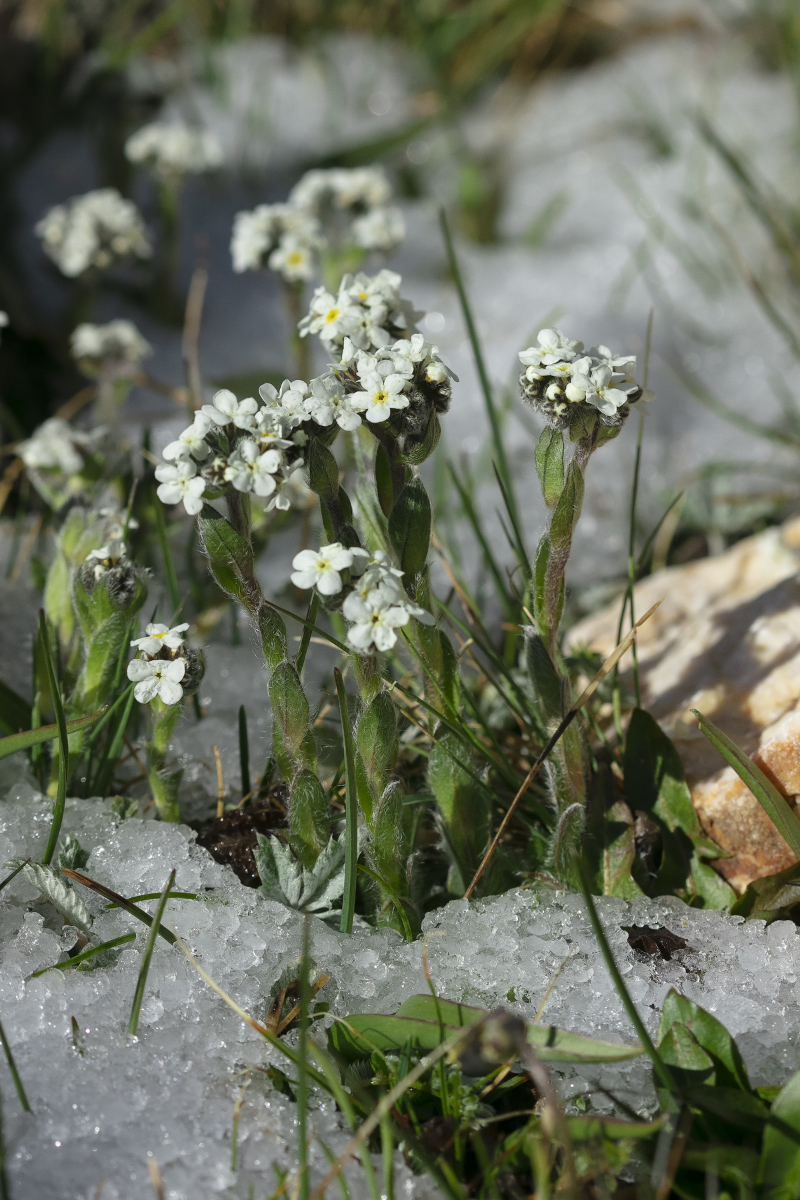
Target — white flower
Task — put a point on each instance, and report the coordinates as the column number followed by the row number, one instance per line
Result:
column 181, row 483
column 405, row 354
column 174, row 149
column 554, row 347
column 251, row 471
column 321, row 570
column 258, row 232
column 367, row 187
column 328, row 404
column 158, row 636
column 380, row 396
column 292, row 258
column 92, row 231
column 157, row 677
column 117, row 345
column 192, row 441
column 597, row 388
column 227, row 410
column 53, row 446
column 624, row 363
column 375, row 620
column 379, row 229
column 290, row 402
column 330, row 317
column 105, row 557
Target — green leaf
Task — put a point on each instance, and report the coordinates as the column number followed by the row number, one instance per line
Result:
column 383, row 480
column 376, row 739
column 686, row 1059
column 771, row 897
column 15, row 713
column 387, row 850
column 567, row 510
column 618, row 853
column 775, row 806
column 549, row 457
column 229, row 553
column 293, row 743
column 274, row 641
column 655, row 784
column 323, row 471
column 309, row 819
column 544, row 678
column 423, row 1021
column 32, row 737
column 101, row 949
column 52, row 885
column 743, row 1110
column 463, row 804
column 780, row 1149
column 594, row 1129
column 541, row 564
column 286, row 880
column 410, row 527
column 710, row 1034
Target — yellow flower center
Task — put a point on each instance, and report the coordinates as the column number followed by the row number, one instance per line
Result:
column 332, row 314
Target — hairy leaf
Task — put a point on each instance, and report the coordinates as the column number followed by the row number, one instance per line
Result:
column 53, row 886
column 410, row 527
column 549, row 457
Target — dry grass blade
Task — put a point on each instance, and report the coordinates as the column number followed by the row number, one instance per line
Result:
column 220, row 785
column 585, row 696
column 115, row 898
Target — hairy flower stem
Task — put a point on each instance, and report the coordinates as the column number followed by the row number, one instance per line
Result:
column 301, row 349
column 163, row 784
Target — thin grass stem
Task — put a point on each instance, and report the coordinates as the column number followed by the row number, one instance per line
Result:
column 147, row 955
column 244, row 752
column 302, row 1069
column 63, row 739
column 166, row 554
column 305, row 640
column 351, row 811
column 12, row 1066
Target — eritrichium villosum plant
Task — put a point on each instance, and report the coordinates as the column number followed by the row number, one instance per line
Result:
column 445, row 715
column 387, row 384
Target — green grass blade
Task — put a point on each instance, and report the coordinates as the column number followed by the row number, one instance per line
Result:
column 14, row 873
column 166, row 554
column 518, row 542
column 302, row 1067
column 109, row 713
column 641, row 1029
column 775, row 806
column 470, row 513
column 45, row 733
column 147, row 955
column 119, row 901
column 305, row 640
column 244, row 752
column 491, row 408
column 63, row 760
column 351, row 810
column 12, row 1066
column 86, row 954
column 5, row 1190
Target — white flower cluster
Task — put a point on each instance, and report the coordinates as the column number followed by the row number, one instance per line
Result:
column 56, row 446
column 174, row 149
column 361, row 192
column 376, row 605
column 288, row 238
column 367, row 309
column 117, row 347
column 278, row 236
column 243, row 444
column 562, row 382
column 157, row 676
column 92, row 231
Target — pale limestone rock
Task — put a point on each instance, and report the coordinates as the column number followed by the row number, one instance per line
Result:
column 726, row 641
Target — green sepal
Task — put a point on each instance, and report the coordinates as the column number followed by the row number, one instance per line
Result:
column 425, row 447
column 229, row 553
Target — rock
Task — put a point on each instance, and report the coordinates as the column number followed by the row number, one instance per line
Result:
column 726, row 640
